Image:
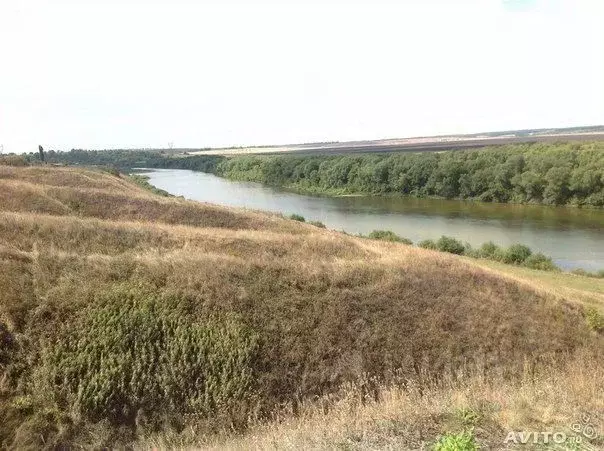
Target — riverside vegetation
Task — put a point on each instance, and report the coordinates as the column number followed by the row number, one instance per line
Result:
column 541, row 173
column 516, row 254
column 130, row 319
column 552, row 174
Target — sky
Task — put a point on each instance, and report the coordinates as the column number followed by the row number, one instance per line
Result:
column 101, row 74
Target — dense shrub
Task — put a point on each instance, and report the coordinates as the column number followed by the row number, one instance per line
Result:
column 133, row 351
column 540, row 261
column 388, row 235
column 451, row 245
column 427, row 244
column 296, row 217
column 489, row 250
column 516, row 254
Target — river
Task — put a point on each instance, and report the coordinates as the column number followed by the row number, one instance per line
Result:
column 573, row 237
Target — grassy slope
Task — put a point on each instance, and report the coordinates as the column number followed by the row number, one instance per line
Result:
column 328, row 308
column 587, row 291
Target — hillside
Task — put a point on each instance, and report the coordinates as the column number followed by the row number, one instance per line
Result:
column 131, row 318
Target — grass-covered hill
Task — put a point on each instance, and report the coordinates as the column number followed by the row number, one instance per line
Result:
column 130, row 318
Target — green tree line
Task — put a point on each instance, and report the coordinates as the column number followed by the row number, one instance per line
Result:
column 541, row 173
column 544, row 173
column 125, row 159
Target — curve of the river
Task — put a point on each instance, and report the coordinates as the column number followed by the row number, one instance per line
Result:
column 573, row 237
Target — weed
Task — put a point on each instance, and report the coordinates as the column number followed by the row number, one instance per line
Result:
column 595, row 320
column 462, row 441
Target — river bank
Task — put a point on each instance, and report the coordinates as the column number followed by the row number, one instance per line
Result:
column 574, row 238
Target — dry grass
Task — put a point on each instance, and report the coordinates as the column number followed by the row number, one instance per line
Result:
column 330, row 310
column 413, row 416
column 587, row 291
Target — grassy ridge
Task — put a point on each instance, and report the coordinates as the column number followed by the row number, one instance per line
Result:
column 117, row 304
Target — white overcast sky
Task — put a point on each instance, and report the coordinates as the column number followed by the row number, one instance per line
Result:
column 134, row 73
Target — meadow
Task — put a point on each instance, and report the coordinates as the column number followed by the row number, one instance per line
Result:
column 132, row 319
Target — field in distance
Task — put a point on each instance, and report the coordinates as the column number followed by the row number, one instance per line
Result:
column 419, row 144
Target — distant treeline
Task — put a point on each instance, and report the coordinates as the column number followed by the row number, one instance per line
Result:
column 553, row 174
column 545, row 173
column 129, row 159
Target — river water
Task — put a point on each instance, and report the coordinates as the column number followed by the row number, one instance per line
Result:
column 573, row 237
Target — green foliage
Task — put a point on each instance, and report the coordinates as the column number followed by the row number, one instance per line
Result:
column 427, row 244
column 540, row 261
column 595, row 320
column 317, row 224
column 451, row 245
column 296, row 217
column 127, row 159
column 548, row 173
column 133, row 351
column 489, row 250
column 143, row 182
column 388, row 235
column 516, row 254
column 462, row 441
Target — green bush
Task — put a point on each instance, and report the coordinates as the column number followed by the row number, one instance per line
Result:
column 134, row 351
column 463, row 441
column 427, row 244
column 296, row 217
column 595, row 320
column 317, row 224
column 516, row 254
column 540, row 261
column 451, row 245
column 489, row 250
column 388, row 235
